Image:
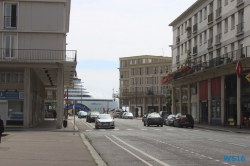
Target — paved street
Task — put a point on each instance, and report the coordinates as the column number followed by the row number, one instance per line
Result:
column 131, row 143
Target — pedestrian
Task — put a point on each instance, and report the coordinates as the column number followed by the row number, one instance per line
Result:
column 235, row 118
column 1, row 128
column 54, row 114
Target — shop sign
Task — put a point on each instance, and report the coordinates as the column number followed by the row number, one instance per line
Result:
column 248, row 77
column 9, row 95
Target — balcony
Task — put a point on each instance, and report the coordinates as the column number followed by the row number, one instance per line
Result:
column 239, row 3
column 210, row 18
column 30, row 55
column 218, row 39
column 178, row 39
column 240, row 28
column 218, row 13
column 195, row 28
column 210, row 43
column 194, row 50
column 223, row 62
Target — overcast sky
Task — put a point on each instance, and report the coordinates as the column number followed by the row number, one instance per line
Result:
column 102, row 31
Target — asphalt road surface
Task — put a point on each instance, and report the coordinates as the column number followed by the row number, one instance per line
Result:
column 132, row 144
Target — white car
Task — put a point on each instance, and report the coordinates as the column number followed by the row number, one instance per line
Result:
column 104, row 121
column 128, row 115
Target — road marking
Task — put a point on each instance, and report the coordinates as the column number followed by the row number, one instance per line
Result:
column 157, row 129
column 130, row 129
column 224, row 163
column 89, row 130
column 144, row 129
column 88, row 125
column 238, row 145
column 129, row 151
column 116, row 129
column 153, row 158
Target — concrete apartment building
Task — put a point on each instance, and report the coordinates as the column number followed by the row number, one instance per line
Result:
column 210, row 39
column 34, row 63
column 140, row 83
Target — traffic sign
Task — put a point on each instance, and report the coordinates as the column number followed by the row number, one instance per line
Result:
column 248, row 78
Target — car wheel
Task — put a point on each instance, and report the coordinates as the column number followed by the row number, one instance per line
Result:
column 112, row 127
column 162, row 125
column 148, row 125
column 192, row 127
column 96, row 127
column 144, row 124
column 157, row 125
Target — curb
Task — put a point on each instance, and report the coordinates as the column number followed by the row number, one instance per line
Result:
column 99, row 161
column 224, row 130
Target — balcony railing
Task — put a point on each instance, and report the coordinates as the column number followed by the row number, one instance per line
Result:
column 218, row 38
column 218, row 12
column 239, row 1
column 195, row 27
column 177, row 39
column 198, row 66
column 210, row 42
column 240, row 27
column 32, row 55
column 195, row 50
column 210, row 18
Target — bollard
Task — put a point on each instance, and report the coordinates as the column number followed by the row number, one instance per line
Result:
column 65, row 123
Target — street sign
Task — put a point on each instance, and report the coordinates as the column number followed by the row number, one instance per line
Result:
column 248, row 78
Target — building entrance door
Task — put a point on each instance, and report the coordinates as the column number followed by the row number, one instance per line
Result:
column 204, row 112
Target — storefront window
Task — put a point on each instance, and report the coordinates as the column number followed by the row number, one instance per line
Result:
column 194, row 110
column 15, row 110
column 216, row 110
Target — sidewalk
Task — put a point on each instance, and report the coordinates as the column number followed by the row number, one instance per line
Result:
column 219, row 128
column 46, row 145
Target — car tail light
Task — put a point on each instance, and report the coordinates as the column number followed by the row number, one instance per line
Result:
column 181, row 118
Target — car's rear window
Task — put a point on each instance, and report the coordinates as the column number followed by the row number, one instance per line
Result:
column 154, row 115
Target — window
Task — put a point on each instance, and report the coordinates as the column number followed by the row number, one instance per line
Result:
column 135, row 61
column 10, row 15
column 201, row 16
column 155, row 70
column 205, row 36
column 226, row 2
column 205, row 13
column 133, row 71
column 147, row 80
column 147, row 70
column 140, row 81
column 5, row 77
column 232, row 21
column 18, row 77
column 122, row 64
column 130, row 62
column 10, row 46
column 226, row 25
column 140, row 71
column 143, row 60
column 182, row 49
column 149, row 60
column 133, row 81
column 200, row 39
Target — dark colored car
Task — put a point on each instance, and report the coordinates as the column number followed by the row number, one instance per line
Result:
column 184, row 120
column 169, row 121
column 92, row 116
column 153, row 119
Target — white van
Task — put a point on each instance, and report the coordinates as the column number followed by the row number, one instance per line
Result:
column 117, row 113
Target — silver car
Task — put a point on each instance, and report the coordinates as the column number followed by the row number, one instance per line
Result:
column 104, row 121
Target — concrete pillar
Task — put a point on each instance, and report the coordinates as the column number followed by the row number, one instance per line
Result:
column 173, row 101
column 180, row 99
column 189, row 99
column 222, row 101
column 198, row 103
column 238, row 101
column 59, row 98
column 27, row 98
column 209, row 102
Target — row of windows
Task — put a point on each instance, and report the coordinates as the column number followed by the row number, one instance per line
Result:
column 186, row 47
column 148, row 70
column 136, row 61
column 8, row 77
column 201, row 13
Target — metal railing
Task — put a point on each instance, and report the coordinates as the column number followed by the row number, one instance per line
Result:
column 198, row 66
column 218, row 12
column 218, row 38
column 37, row 55
column 240, row 27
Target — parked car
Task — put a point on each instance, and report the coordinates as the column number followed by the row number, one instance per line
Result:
column 121, row 114
column 169, row 121
column 164, row 114
column 104, row 121
column 153, row 119
column 92, row 116
column 128, row 115
column 82, row 114
column 184, row 120
column 117, row 113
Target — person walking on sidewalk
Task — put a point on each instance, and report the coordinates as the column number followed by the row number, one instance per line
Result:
column 1, row 128
column 54, row 114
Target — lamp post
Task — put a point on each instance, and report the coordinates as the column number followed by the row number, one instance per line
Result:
column 136, row 110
